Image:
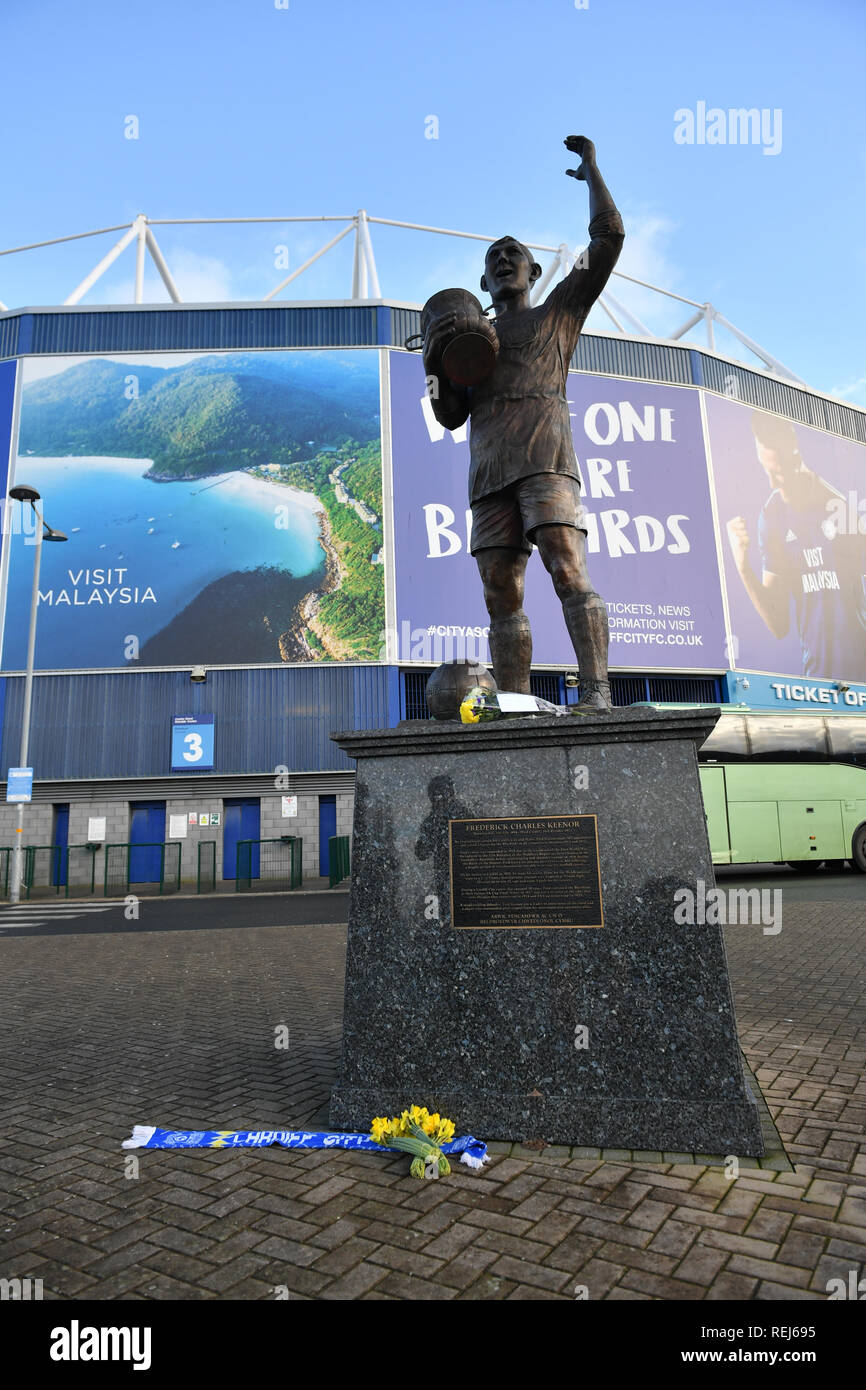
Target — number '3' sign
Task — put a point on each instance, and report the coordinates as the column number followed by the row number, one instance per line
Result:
column 195, row 750
column 192, row 742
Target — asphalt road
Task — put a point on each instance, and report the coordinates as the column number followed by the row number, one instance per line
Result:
column 812, row 886
column 88, row 917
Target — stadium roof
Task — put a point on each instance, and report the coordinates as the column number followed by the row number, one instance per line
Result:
column 365, row 278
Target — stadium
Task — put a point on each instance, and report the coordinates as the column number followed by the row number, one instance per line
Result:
column 265, row 540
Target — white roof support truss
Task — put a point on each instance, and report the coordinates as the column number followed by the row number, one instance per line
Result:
column 365, row 278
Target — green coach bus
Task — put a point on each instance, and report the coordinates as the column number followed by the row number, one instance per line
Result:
column 786, row 788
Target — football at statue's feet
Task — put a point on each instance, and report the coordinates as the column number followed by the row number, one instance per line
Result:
column 450, row 682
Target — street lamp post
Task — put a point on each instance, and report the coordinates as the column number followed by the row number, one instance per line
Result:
column 23, row 493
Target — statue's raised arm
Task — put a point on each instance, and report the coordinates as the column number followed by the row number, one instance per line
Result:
column 606, row 231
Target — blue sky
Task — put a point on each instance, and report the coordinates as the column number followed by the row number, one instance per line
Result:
column 247, row 109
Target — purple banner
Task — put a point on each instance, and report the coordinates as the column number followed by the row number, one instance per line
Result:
column 794, row 543
column 652, row 549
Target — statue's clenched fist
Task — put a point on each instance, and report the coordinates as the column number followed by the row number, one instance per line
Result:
column 579, row 144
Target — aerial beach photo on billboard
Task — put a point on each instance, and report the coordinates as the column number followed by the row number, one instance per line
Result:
column 221, row 508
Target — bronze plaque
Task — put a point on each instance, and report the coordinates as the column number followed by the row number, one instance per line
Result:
column 525, row 871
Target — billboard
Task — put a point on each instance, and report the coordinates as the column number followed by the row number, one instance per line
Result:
column 651, row 538
column 7, row 404
column 7, row 411
column 227, row 508
column 793, row 529
column 221, row 508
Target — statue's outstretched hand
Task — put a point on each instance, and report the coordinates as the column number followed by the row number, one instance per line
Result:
column 579, row 144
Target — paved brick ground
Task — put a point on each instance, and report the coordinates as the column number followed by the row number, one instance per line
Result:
column 104, row 1031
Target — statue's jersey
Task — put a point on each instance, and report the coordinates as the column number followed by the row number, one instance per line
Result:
column 520, row 423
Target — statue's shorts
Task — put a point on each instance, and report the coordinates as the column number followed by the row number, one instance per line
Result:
column 508, row 518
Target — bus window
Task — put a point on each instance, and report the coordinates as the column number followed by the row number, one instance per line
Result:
column 802, row 734
column 728, row 738
column 847, row 734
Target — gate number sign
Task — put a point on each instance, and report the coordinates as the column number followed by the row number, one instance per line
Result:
column 192, row 742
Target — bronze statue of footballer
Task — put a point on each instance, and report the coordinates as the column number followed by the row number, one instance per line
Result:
column 524, row 486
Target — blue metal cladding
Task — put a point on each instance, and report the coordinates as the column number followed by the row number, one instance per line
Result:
column 194, row 330
column 372, row 692
column 768, row 393
column 782, row 397
column 404, row 323
column 622, row 357
column 118, row 724
column 9, row 336
column 838, row 418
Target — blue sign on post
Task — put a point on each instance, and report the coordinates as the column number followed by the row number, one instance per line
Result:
column 19, row 784
column 192, row 742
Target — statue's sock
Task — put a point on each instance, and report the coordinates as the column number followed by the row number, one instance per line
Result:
column 511, row 652
column 589, row 630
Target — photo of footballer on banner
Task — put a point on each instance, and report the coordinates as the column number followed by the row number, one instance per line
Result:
column 793, row 526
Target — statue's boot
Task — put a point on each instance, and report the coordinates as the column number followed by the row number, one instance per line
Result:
column 511, row 652
column 586, row 620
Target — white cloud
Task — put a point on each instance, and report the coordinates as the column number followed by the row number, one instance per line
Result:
column 854, row 391
column 199, row 280
column 645, row 255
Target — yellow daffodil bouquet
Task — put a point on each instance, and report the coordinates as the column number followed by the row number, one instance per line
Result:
column 419, row 1133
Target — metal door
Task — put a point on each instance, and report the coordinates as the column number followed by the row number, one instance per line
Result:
column 327, row 828
column 60, row 840
column 241, row 821
column 146, row 830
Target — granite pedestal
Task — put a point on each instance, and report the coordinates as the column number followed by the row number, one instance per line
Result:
column 621, row 1035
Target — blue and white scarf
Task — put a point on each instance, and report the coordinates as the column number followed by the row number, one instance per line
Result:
column 472, row 1151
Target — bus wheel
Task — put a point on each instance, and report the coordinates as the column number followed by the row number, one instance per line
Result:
column 858, row 849
column 808, row 866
